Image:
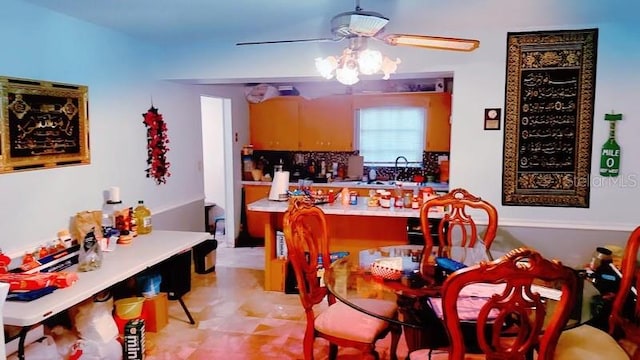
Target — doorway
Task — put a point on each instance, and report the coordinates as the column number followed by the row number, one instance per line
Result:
column 217, row 176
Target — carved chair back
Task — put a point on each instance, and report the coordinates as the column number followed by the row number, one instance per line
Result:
column 457, row 227
column 516, row 319
column 624, row 321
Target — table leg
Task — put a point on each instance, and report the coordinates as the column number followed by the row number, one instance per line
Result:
column 184, row 307
column 21, row 339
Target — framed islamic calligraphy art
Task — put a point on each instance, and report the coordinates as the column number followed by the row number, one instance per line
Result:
column 550, row 89
column 42, row 125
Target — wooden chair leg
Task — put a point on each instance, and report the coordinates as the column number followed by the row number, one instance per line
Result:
column 307, row 346
column 396, row 332
column 333, row 351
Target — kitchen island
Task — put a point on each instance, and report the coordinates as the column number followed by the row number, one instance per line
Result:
column 256, row 190
column 350, row 227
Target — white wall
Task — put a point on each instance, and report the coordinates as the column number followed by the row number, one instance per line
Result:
column 43, row 45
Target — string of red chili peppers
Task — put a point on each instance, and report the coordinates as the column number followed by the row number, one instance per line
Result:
column 157, row 148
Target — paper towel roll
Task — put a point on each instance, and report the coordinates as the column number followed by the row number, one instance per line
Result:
column 114, row 194
column 279, row 186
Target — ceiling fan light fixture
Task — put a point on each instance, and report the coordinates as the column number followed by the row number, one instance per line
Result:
column 353, row 62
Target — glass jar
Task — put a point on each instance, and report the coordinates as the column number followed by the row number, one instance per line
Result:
column 408, row 198
column 385, row 199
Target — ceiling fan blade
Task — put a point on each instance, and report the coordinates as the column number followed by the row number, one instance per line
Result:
column 431, row 42
column 288, row 41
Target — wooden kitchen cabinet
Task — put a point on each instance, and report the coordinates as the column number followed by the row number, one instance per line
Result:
column 326, row 124
column 256, row 220
column 274, row 124
column 438, row 124
column 361, row 101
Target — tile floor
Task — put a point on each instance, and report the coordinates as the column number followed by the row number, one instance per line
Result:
column 237, row 319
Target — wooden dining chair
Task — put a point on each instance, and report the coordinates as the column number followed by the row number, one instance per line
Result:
column 622, row 341
column 457, row 227
column 516, row 320
column 305, row 231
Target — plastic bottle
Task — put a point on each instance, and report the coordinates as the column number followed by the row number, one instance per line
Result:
column 143, row 218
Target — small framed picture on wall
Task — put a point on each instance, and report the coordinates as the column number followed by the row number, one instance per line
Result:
column 492, row 118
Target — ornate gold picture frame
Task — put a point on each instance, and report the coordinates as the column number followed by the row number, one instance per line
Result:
column 42, row 125
column 549, row 99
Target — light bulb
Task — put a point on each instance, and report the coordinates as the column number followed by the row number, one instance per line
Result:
column 326, row 66
column 347, row 75
column 369, row 61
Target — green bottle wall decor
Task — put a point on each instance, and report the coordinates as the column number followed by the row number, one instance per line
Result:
column 610, row 155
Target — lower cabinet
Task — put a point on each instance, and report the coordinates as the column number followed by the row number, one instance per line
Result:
column 256, row 219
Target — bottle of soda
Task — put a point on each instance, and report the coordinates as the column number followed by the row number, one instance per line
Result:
column 143, row 218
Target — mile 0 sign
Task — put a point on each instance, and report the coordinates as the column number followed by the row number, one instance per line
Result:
column 610, row 155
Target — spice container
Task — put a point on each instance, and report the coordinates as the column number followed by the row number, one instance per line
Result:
column 408, row 198
column 399, row 201
column 415, row 202
column 427, row 194
column 332, row 196
column 385, row 199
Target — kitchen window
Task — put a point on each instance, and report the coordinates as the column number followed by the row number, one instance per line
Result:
column 384, row 133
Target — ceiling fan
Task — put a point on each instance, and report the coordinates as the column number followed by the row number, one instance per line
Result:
column 358, row 25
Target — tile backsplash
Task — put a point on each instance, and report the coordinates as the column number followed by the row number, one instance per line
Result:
column 306, row 164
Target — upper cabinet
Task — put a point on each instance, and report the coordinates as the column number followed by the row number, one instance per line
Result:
column 326, row 124
column 273, row 123
column 439, row 123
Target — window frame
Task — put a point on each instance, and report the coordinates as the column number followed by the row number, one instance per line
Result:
column 414, row 163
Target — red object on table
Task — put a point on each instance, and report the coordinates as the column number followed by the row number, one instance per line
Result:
column 28, row 281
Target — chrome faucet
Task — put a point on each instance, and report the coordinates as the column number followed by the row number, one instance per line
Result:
column 406, row 165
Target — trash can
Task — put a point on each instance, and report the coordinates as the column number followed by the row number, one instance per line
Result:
column 204, row 256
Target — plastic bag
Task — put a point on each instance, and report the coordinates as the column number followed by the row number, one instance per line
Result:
column 93, row 350
column 149, row 284
column 90, row 257
column 94, row 321
column 43, row 349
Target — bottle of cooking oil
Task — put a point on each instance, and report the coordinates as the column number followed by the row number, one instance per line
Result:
column 143, row 218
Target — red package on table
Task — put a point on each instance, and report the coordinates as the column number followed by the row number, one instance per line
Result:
column 65, row 279
column 28, row 281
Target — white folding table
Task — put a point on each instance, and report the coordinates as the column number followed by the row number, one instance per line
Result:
column 118, row 265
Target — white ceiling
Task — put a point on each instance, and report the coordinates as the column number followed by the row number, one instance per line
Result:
column 226, row 22
column 164, row 21
column 180, row 21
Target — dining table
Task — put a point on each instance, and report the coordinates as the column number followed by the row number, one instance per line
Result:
column 350, row 280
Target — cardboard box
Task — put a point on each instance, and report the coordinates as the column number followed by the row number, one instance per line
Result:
column 134, row 340
column 156, row 312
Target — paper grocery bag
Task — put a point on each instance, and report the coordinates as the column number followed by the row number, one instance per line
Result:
column 86, row 221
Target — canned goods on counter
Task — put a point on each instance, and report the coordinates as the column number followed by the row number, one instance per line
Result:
column 353, row 198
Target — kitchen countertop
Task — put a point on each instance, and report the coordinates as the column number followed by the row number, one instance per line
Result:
column 336, row 208
column 439, row 187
